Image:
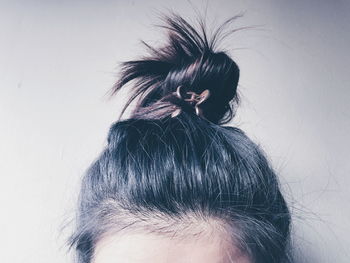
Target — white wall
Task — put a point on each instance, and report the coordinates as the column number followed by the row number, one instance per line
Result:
column 58, row 58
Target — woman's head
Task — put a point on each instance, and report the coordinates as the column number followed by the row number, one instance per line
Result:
column 184, row 188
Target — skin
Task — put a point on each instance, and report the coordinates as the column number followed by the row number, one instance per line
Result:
column 152, row 248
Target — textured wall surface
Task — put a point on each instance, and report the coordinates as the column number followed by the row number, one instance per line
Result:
column 58, row 58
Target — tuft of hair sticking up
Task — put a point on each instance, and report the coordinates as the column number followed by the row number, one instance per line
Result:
column 189, row 58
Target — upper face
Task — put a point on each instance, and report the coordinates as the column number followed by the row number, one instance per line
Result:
column 151, row 248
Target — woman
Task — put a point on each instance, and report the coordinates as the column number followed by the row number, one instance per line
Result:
column 173, row 184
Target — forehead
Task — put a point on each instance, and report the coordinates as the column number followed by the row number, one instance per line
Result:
column 151, row 248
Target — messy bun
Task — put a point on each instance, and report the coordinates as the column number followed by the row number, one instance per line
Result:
column 188, row 59
column 161, row 170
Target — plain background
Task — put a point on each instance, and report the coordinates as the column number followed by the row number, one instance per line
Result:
column 59, row 58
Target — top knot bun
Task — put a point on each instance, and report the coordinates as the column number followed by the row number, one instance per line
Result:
column 188, row 59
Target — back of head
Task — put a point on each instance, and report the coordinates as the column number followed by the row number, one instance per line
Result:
column 161, row 170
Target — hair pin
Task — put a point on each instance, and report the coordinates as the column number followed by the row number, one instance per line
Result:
column 196, row 99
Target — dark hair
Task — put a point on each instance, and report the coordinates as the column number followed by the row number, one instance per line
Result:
column 165, row 169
